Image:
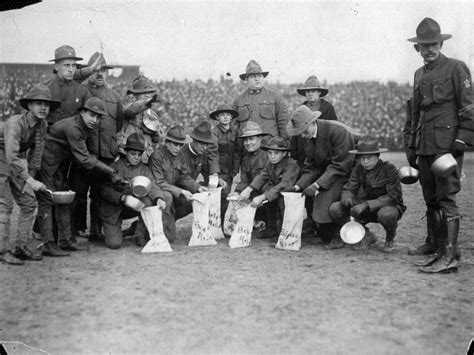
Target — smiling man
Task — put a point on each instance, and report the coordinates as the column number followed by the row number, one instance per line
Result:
column 441, row 121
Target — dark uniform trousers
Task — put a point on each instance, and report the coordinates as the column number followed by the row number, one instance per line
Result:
column 176, row 208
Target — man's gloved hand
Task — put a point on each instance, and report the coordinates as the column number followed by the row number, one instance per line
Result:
column 311, row 191
column 358, row 209
column 161, row 204
column 348, row 202
column 411, row 157
column 457, row 148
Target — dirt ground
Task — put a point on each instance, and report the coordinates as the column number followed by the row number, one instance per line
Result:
column 256, row 300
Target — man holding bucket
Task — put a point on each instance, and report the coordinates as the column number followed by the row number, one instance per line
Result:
column 442, row 124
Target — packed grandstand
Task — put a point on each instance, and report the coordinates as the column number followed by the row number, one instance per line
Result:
column 374, row 108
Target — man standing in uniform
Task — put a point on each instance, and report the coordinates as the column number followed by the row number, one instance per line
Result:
column 104, row 146
column 442, row 121
column 21, row 148
column 259, row 104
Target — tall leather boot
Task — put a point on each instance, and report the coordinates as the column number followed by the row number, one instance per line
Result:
column 432, row 222
column 447, row 262
column 437, row 233
column 66, row 241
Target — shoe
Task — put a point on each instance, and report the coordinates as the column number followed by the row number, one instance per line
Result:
column 268, row 233
column 141, row 241
column 442, row 265
column 388, row 247
column 51, row 249
column 424, row 249
column 24, row 253
column 336, row 243
column 9, row 258
column 95, row 238
column 72, row 245
column 429, row 261
column 369, row 239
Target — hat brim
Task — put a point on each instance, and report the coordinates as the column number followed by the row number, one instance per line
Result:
column 380, row 150
column 131, row 91
column 439, row 38
column 211, row 140
column 302, row 91
column 53, row 105
column 134, row 148
column 58, row 59
column 82, row 108
column 275, row 148
column 245, row 75
column 254, row 135
column 213, row 115
column 296, row 131
column 176, row 140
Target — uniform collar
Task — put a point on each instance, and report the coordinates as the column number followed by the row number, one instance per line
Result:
column 31, row 120
column 434, row 63
column 255, row 91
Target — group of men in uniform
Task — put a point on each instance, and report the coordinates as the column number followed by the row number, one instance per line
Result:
column 75, row 133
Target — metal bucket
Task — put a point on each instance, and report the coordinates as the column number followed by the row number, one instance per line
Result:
column 408, row 175
column 141, row 186
column 62, row 197
column 444, row 165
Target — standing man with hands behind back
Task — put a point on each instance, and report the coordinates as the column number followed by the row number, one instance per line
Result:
column 442, row 121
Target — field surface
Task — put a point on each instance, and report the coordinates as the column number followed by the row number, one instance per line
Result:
column 256, row 300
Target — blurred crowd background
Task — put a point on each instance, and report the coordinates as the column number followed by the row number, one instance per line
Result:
column 374, row 108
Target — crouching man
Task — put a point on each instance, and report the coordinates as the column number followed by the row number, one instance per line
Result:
column 21, row 148
column 113, row 207
column 173, row 175
column 372, row 194
column 279, row 174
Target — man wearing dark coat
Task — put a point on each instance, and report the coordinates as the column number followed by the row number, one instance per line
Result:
column 327, row 167
column 112, row 207
column 442, row 122
column 66, row 142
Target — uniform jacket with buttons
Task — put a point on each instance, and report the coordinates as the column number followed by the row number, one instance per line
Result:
column 276, row 178
column 252, row 164
column 265, row 107
column 227, row 152
column 70, row 93
column 442, row 106
column 170, row 172
column 378, row 187
column 20, row 151
column 105, row 141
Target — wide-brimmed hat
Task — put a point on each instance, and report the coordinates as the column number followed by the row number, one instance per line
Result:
column 39, row 93
column 368, row 145
column 253, row 68
column 95, row 105
column 252, row 129
column 312, row 83
column 135, row 141
column 203, row 133
column 65, row 52
column 428, row 31
column 300, row 120
column 223, row 108
column 176, row 134
column 277, row 143
column 141, row 85
column 103, row 63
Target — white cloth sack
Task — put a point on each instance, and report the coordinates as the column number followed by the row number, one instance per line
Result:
column 152, row 216
column 230, row 217
column 201, row 235
column 242, row 235
column 215, row 221
column 290, row 235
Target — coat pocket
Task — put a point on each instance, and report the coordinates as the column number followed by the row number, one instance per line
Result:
column 443, row 90
column 244, row 113
column 445, row 135
column 267, row 110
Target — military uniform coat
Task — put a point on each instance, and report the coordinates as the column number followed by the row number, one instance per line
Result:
column 227, row 152
column 265, row 107
column 378, row 187
column 252, row 164
column 276, row 178
column 329, row 164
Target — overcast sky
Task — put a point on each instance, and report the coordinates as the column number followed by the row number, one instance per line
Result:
column 338, row 41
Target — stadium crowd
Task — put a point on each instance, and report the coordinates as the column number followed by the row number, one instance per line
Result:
column 374, row 108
